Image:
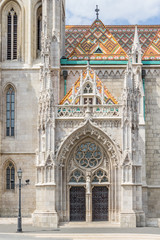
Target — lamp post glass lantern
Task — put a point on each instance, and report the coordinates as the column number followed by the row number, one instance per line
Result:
column 19, row 229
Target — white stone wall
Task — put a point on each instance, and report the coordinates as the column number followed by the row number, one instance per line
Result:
column 21, row 148
column 152, row 97
column 24, row 76
column 9, row 198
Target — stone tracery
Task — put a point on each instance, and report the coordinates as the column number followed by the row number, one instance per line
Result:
column 88, row 155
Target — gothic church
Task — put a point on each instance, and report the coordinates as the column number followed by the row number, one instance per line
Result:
column 79, row 114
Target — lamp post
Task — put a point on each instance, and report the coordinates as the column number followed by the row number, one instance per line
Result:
column 19, row 229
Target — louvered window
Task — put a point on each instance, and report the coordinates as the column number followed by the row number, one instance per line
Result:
column 39, row 28
column 10, row 112
column 12, row 35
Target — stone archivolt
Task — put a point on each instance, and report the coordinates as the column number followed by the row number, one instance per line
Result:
column 85, row 131
column 86, row 171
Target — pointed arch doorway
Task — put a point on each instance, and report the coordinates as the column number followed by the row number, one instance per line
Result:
column 89, row 163
column 88, row 183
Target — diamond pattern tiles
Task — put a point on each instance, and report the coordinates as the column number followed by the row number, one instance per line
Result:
column 153, row 51
column 98, row 35
column 73, row 37
column 108, row 98
column 123, row 34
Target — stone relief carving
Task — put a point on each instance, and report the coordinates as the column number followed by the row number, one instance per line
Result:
column 111, row 73
column 152, row 72
column 88, row 130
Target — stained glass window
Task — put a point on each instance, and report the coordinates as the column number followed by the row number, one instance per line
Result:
column 88, row 155
column 10, row 176
column 100, row 176
column 10, row 112
column 77, row 177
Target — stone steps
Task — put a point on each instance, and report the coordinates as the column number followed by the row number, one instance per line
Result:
column 89, row 225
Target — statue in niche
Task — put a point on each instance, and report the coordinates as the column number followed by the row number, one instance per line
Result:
column 88, row 183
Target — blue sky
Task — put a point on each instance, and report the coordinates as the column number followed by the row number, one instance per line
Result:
column 114, row 12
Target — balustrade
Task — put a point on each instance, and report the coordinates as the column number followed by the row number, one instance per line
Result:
column 95, row 111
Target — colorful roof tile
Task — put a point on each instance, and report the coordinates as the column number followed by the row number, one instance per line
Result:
column 98, row 38
column 153, row 51
column 108, row 98
column 123, row 34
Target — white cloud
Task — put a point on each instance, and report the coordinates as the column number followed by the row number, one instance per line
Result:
column 112, row 11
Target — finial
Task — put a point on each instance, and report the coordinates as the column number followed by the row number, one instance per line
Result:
column 136, row 48
column 97, row 11
column 88, row 67
column 136, row 38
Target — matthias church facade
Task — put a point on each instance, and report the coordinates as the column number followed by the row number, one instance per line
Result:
column 79, row 114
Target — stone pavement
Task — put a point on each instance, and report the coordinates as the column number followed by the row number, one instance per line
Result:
column 8, row 232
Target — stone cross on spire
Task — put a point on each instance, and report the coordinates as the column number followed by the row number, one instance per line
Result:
column 97, row 11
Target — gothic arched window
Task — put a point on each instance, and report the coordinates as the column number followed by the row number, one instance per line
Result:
column 39, row 28
column 77, row 177
column 10, row 176
column 12, row 35
column 88, row 89
column 10, row 111
column 100, row 176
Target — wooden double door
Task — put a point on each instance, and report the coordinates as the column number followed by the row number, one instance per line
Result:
column 99, row 203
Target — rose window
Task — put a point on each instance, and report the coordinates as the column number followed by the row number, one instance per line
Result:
column 88, row 155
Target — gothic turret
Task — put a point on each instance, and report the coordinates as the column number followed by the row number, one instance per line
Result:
column 52, row 50
column 131, row 165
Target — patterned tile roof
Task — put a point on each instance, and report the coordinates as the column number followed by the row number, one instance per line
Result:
column 153, row 50
column 108, row 98
column 123, row 34
column 98, row 43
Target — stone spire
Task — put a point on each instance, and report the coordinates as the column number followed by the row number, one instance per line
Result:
column 136, row 48
column 136, row 38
